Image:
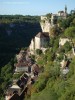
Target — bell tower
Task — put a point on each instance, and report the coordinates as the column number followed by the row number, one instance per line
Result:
column 65, row 9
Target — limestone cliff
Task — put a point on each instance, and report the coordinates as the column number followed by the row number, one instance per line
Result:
column 45, row 25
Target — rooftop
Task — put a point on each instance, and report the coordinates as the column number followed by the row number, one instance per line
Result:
column 60, row 11
column 42, row 34
column 15, row 86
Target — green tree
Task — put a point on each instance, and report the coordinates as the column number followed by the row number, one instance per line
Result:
column 53, row 31
column 70, row 32
column 67, row 47
column 72, row 68
column 38, row 51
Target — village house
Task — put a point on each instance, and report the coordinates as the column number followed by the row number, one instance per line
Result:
column 14, row 89
column 59, row 15
column 40, row 41
column 35, row 69
column 24, row 62
column 23, row 66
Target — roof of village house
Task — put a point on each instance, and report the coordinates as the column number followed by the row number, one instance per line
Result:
column 15, row 86
column 35, row 67
column 22, row 64
column 54, row 14
column 43, row 35
column 60, row 11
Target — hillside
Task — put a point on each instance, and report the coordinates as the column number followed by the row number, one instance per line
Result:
column 56, row 82
column 55, row 78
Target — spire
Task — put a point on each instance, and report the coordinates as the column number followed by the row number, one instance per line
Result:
column 65, row 9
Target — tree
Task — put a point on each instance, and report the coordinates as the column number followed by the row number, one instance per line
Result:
column 67, row 47
column 48, row 15
column 6, row 76
column 56, row 45
column 54, row 31
column 72, row 68
column 38, row 51
column 60, row 57
column 51, row 57
column 51, row 42
column 73, row 22
column 70, row 32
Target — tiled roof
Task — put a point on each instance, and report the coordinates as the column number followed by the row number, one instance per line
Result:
column 42, row 34
column 22, row 64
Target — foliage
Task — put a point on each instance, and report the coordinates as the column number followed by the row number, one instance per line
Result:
column 32, row 57
column 60, row 57
column 50, row 84
column 6, row 77
column 65, row 23
column 56, row 45
column 54, row 31
column 17, row 75
column 72, row 68
column 48, row 15
column 16, row 32
column 38, row 51
column 51, row 42
column 67, row 47
column 70, row 32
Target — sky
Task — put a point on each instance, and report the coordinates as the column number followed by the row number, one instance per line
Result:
column 34, row 7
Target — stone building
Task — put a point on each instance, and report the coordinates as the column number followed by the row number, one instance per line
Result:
column 40, row 41
column 14, row 89
column 47, row 23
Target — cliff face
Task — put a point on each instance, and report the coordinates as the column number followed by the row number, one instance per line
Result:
column 45, row 26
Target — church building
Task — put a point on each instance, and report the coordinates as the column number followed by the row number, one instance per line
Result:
column 40, row 41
